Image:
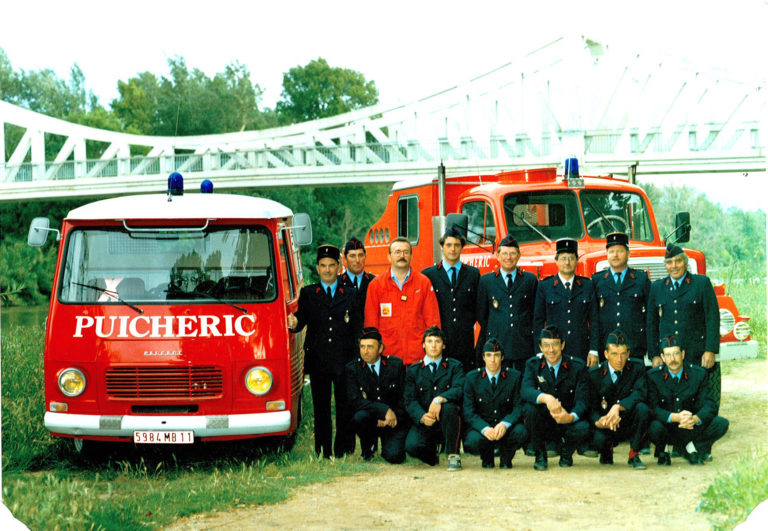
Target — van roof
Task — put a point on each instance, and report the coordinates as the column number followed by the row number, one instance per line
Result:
column 187, row 206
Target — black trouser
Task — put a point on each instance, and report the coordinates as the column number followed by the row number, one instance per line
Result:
column 392, row 439
column 422, row 441
column 543, row 429
column 476, row 443
column 663, row 433
column 633, row 427
column 321, row 403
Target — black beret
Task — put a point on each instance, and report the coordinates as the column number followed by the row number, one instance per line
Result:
column 328, row 251
column 371, row 332
column 491, row 345
column 567, row 245
column 673, row 250
column 669, row 341
column 352, row 245
column 550, row 332
column 617, row 238
column 509, row 241
column 618, row 338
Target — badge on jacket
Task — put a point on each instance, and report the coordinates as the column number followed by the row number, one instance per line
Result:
column 495, row 304
column 346, row 317
column 386, row 309
column 602, row 302
column 604, row 404
column 541, row 378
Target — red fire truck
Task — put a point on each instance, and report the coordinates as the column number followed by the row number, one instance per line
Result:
column 167, row 322
column 538, row 206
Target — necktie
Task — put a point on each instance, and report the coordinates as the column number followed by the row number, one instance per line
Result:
column 453, row 277
column 509, row 281
column 552, row 372
column 355, row 282
column 433, row 367
column 568, row 286
column 493, row 383
column 618, row 279
column 677, row 284
column 330, row 295
column 373, row 371
column 615, row 376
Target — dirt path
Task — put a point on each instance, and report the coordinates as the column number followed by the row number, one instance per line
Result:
column 587, row 496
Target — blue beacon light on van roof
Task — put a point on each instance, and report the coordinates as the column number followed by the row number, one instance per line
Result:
column 572, row 168
column 206, row 187
column 175, row 184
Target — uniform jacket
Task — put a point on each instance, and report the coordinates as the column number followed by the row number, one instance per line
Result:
column 690, row 311
column 402, row 316
column 570, row 387
column 362, row 289
column 629, row 389
column 485, row 407
column 457, row 308
column 506, row 314
column 377, row 395
column 421, row 387
column 691, row 394
column 332, row 328
column 622, row 307
column 571, row 311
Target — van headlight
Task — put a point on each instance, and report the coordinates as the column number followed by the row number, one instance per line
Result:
column 72, row 382
column 726, row 321
column 258, row 381
column 741, row 331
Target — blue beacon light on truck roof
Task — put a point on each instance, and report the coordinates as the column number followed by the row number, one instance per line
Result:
column 175, row 184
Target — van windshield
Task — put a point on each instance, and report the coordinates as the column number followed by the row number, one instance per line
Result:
column 221, row 263
column 532, row 215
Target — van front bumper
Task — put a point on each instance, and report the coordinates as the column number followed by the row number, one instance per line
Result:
column 734, row 350
column 202, row 426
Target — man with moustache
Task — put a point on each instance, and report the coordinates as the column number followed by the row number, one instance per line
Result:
column 493, row 409
column 617, row 396
column 685, row 305
column 332, row 316
column 355, row 276
column 375, row 392
column 684, row 414
column 505, row 300
column 556, row 387
column 433, row 397
column 455, row 286
column 620, row 296
column 565, row 300
column 401, row 304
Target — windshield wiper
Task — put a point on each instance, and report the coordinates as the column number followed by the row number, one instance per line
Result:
column 521, row 218
column 109, row 293
column 601, row 214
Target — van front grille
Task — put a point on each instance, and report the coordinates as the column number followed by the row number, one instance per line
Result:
column 164, row 382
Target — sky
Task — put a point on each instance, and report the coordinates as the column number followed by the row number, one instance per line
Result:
column 411, row 49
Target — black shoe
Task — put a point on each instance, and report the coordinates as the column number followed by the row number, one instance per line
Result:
column 566, row 459
column 606, row 457
column 505, row 464
column 706, row 457
column 505, row 459
column 665, row 459
column 530, row 452
column 541, row 460
column 694, row 458
column 636, row 463
column 487, row 463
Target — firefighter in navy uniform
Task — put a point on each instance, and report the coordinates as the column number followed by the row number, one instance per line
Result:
column 505, row 300
column 493, row 409
column 375, row 393
column 455, row 286
column 684, row 304
column 617, row 401
column 355, row 275
column 333, row 319
column 683, row 412
column 565, row 301
column 433, row 395
column 555, row 389
column 620, row 296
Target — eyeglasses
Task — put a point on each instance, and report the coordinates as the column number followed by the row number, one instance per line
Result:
column 399, row 252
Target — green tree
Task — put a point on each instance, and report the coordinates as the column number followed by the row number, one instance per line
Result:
column 318, row 90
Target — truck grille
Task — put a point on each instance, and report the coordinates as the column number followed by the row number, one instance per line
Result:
column 164, row 382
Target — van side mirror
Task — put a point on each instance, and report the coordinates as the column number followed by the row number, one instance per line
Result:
column 302, row 229
column 38, row 232
column 682, row 227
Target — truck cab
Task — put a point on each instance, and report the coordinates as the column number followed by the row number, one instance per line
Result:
column 539, row 206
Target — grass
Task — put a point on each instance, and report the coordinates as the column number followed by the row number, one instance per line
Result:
column 46, row 486
column 733, row 495
column 750, row 299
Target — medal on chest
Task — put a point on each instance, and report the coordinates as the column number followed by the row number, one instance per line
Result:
column 346, row 316
column 604, row 404
column 602, row 302
column 661, row 312
column 495, row 304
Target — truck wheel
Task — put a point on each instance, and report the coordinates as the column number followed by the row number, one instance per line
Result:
column 715, row 383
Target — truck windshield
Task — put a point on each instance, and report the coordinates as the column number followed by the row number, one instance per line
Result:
column 219, row 264
column 607, row 211
column 532, row 215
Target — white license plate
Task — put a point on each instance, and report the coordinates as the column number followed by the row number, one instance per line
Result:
column 163, row 437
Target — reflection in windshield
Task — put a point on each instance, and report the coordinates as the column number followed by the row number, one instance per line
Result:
column 532, row 215
column 607, row 211
column 219, row 264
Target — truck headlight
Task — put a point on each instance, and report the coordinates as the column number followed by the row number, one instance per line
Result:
column 258, row 381
column 726, row 321
column 72, row 382
column 741, row 331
